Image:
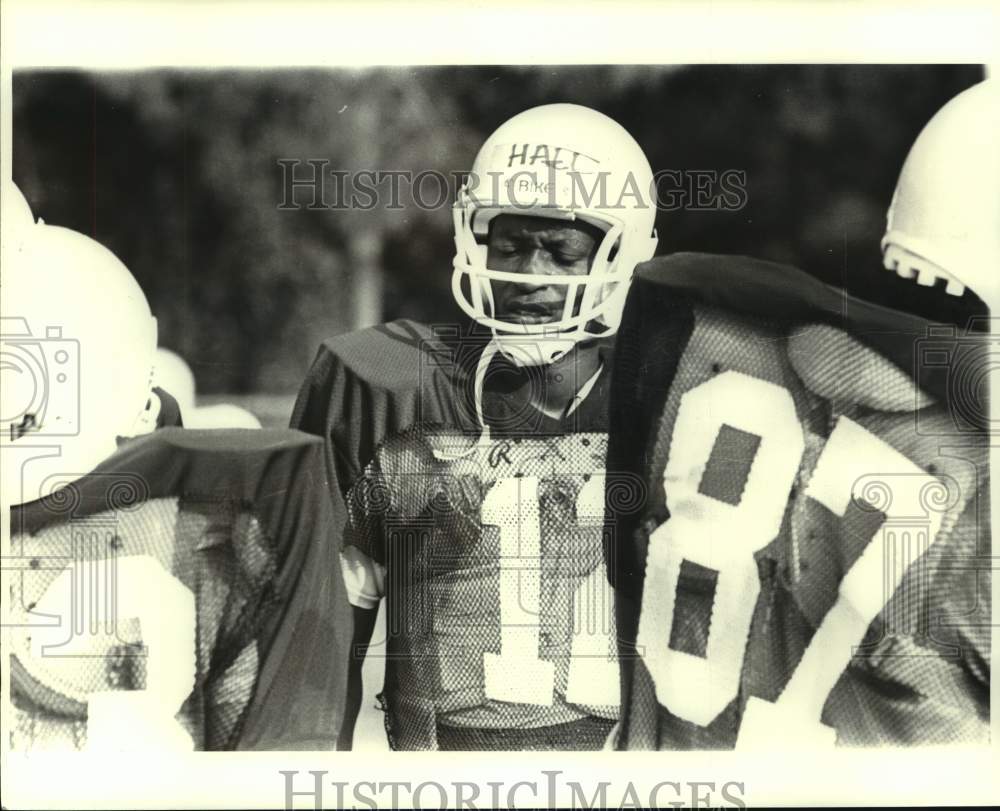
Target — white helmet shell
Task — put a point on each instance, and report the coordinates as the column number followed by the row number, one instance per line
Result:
column 17, row 223
column 944, row 220
column 78, row 341
column 172, row 373
column 564, row 162
column 16, row 212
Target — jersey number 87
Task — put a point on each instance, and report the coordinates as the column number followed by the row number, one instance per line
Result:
column 724, row 537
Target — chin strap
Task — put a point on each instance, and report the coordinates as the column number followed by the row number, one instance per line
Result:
column 479, row 384
column 529, row 350
column 581, row 395
column 482, row 444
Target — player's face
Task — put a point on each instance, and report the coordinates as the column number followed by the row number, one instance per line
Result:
column 537, row 246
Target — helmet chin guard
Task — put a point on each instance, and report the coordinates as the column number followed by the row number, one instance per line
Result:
column 565, row 163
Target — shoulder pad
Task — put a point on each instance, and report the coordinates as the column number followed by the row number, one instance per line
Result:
column 252, row 467
column 396, row 355
column 278, row 477
column 767, row 290
column 374, row 383
column 783, row 294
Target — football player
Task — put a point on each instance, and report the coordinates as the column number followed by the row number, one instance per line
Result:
column 472, row 460
column 808, row 563
column 170, row 589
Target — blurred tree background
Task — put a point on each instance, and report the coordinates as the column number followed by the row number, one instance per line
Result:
column 177, row 172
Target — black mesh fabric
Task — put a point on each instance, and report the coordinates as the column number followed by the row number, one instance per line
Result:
column 194, row 543
column 395, row 405
column 586, row 734
column 516, row 521
column 921, row 673
column 219, row 547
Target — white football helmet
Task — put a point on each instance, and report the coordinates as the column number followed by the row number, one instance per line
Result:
column 172, row 373
column 16, row 212
column 16, row 223
column 78, row 342
column 563, row 162
column 944, row 220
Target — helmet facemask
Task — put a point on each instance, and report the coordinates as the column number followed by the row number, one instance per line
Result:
column 591, row 304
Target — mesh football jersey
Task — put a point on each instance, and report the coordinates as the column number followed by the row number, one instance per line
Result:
column 808, row 559
column 185, row 593
column 500, row 630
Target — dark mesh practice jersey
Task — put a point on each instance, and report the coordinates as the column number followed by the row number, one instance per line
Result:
column 186, row 590
column 499, row 615
column 808, row 561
